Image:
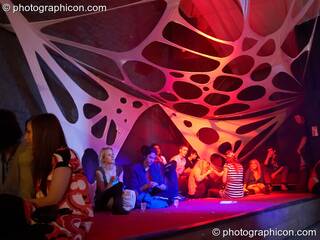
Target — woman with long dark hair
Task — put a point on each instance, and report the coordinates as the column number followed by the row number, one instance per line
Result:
column 59, row 180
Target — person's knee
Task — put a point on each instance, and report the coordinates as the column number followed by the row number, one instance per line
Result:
column 250, row 187
column 256, row 189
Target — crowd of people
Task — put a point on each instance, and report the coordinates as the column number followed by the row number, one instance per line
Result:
column 42, row 180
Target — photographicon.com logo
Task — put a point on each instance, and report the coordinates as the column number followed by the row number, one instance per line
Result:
column 6, row 7
column 251, row 233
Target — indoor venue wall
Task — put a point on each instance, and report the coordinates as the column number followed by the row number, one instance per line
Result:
column 155, row 86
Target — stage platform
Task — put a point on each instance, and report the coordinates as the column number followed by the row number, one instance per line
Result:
column 195, row 219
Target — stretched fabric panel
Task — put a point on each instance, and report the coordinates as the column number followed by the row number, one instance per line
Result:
column 225, row 74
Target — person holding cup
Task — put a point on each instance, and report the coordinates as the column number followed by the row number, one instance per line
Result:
column 109, row 183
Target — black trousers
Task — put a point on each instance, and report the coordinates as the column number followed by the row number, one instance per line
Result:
column 14, row 224
column 114, row 192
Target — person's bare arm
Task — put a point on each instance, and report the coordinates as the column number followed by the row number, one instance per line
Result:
column 120, row 178
column 59, row 185
column 198, row 176
column 269, row 155
column 100, row 182
column 273, row 175
column 187, row 170
column 220, row 174
column 301, row 144
column 225, row 174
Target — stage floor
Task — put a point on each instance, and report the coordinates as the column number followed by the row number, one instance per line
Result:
column 190, row 213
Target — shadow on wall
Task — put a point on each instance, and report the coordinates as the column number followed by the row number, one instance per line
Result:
column 153, row 126
column 90, row 162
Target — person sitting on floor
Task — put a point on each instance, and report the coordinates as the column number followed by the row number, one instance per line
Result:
column 275, row 167
column 160, row 158
column 254, row 180
column 15, row 158
column 178, row 162
column 146, row 178
column 180, row 159
column 61, row 187
column 16, row 181
column 198, row 179
column 109, row 179
column 314, row 180
column 232, row 178
column 191, row 160
column 215, row 181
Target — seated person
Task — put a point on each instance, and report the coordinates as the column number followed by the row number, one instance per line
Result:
column 191, row 160
column 198, row 179
column 314, row 183
column 160, row 158
column 147, row 177
column 254, row 180
column 275, row 167
column 215, row 181
column 180, row 159
column 15, row 158
column 62, row 187
column 109, row 179
column 232, row 178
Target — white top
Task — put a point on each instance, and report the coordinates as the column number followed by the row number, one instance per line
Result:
column 161, row 159
column 109, row 172
column 181, row 162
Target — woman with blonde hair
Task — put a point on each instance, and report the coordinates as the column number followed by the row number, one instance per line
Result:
column 109, row 183
column 198, row 179
column 254, row 180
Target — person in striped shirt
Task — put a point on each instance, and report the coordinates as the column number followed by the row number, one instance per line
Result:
column 232, row 177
